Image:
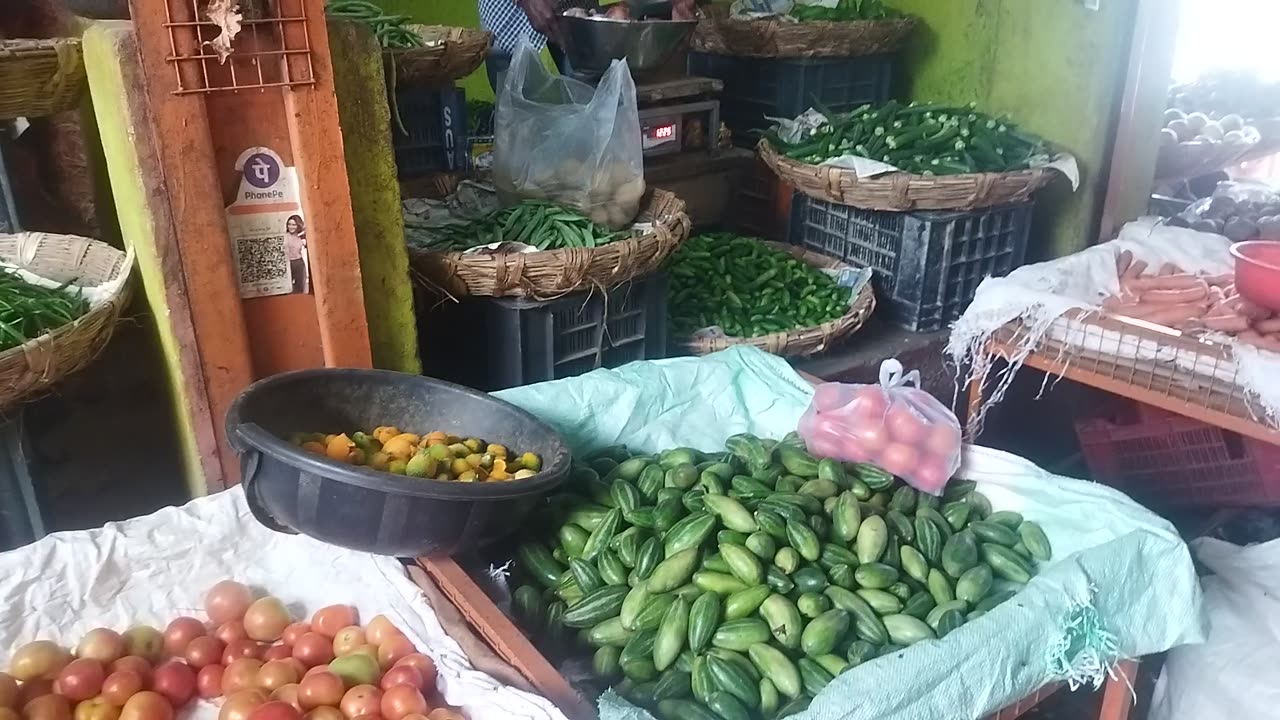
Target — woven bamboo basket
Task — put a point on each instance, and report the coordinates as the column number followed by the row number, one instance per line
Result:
column 902, row 191
column 40, row 77
column 800, row 342
column 450, row 53
column 27, row 370
column 719, row 34
column 550, row 274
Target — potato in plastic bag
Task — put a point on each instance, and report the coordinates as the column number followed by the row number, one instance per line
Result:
column 893, row 425
column 559, row 139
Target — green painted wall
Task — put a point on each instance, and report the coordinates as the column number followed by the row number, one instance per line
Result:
column 1054, row 66
column 111, row 59
column 375, row 198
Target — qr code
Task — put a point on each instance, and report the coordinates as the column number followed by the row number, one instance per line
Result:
column 261, row 259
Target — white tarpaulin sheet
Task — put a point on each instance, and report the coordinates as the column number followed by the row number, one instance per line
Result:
column 152, row 569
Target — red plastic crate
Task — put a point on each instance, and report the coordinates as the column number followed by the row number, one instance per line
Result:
column 1155, row 454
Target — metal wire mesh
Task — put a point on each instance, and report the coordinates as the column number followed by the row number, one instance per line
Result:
column 272, row 48
column 1150, row 359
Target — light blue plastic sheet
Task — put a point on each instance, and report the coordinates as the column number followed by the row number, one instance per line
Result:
column 1121, row 584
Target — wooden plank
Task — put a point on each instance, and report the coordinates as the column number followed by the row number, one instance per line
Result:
column 504, row 637
column 185, row 154
column 312, row 111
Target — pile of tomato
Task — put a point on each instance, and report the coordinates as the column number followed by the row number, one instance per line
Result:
column 251, row 653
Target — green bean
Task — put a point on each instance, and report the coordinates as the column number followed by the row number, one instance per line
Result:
column 543, row 225
column 392, row 31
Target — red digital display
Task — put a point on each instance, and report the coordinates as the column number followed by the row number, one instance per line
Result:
column 664, row 131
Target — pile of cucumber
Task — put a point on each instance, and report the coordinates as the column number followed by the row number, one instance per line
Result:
column 737, row 585
column 919, row 138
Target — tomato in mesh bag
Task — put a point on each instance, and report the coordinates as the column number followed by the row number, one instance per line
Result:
column 894, row 425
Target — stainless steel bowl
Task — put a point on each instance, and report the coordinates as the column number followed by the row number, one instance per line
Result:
column 593, row 42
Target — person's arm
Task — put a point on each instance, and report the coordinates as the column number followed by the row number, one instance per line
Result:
column 541, row 14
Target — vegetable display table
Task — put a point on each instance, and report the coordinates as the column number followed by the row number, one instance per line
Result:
column 1140, row 361
column 512, row 645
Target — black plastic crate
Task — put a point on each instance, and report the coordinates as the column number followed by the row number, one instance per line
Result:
column 496, row 343
column 434, row 135
column 786, row 87
column 928, row 264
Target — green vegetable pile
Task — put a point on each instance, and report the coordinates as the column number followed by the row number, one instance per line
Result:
column 539, row 223
column 748, row 288
column 392, row 31
column 920, row 139
column 28, row 311
column 735, row 586
column 844, row 11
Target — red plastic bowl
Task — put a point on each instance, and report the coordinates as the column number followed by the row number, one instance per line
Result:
column 1258, row 272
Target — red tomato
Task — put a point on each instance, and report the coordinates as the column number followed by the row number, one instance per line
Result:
column 80, row 680
column 943, row 441
column 401, row 675
column 866, row 440
column 361, row 700
column 329, row 620
column 204, row 651
column 905, row 425
column 899, row 459
column 47, row 707
column 179, row 634
column 870, row 401
column 295, row 631
column 97, row 709
column 237, row 649
column 230, row 631
column 931, row 475
column 391, row 651
column 424, row 664
column 176, row 681
column 275, row 710
column 313, row 649
column 209, row 681
column 287, row 694
column 120, row 686
column 136, row 665
column 240, row 705
column 277, row 652
column 830, row 396
column 147, row 705
column 402, row 700
column 320, row 689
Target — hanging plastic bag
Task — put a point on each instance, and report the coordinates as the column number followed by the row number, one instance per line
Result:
column 559, row 139
column 893, row 425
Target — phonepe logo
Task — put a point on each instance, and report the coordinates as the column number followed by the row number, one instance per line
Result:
column 262, row 170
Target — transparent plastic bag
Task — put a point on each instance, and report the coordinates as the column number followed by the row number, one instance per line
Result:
column 893, row 425
column 559, row 139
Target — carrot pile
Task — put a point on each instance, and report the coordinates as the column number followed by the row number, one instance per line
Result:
column 1172, row 297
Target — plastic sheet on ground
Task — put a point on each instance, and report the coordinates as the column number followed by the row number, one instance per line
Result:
column 1232, row 676
column 1114, row 562
column 152, row 569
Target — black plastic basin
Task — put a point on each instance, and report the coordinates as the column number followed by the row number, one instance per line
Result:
column 293, row 491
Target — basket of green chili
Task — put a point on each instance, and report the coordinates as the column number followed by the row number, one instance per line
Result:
column 60, row 297
column 780, row 298
column 853, row 28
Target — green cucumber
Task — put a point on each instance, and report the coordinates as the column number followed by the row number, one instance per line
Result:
column 604, row 664
column 777, row 667
column 689, row 533
column 873, row 538
column 731, row 513
column 650, row 616
column 1036, row 541
column 813, row 676
column 783, row 621
column 906, row 630
column 876, row 576
column 719, row 583
column 846, row 517
column 603, row 533
column 1007, row 564
column 609, row 633
column 537, row 560
column 596, row 606
column 704, row 617
column 733, row 679
column 762, row 545
column 974, row 584
column 745, row 602
column 822, row 633
column 672, row 633
column 740, row 634
column 742, row 563
column 805, row 541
